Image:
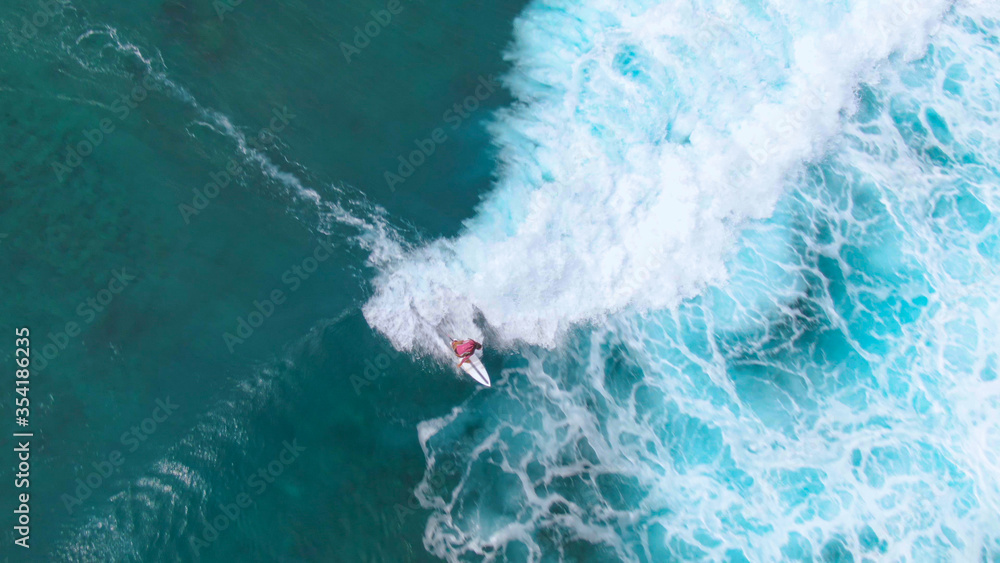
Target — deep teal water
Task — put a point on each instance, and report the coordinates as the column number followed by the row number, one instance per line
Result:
column 163, row 335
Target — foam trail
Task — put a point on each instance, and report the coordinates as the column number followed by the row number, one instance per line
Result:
column 90, row 50
column 646, row 136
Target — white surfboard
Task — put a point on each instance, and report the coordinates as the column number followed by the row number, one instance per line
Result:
column 476, row 370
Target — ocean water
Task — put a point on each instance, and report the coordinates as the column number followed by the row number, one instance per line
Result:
column 735, row 265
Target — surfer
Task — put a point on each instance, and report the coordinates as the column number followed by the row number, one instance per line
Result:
column 465, row 348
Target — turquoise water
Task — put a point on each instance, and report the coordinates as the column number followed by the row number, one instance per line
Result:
column 735, row 265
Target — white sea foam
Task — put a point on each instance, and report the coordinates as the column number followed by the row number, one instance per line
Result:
column 645, row 137
column 833, row 396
